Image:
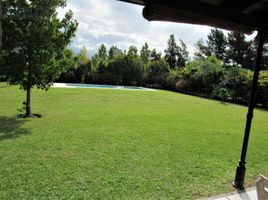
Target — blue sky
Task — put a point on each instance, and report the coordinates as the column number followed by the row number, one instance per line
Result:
column 117, row 23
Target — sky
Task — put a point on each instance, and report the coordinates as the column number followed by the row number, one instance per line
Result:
column 112, row 22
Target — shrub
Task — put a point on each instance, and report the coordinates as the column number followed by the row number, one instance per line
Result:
column 157, row 73
column 238, row 82
column 201, row 76
column 224, row 94
column 172, row 78
column 262, row 91
column 127, row 70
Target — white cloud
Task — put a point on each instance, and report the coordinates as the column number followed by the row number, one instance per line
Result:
column 121, row 24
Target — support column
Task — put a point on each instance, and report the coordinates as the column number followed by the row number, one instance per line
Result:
column 241, row 169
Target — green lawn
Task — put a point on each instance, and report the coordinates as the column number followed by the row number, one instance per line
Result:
column 115, row 144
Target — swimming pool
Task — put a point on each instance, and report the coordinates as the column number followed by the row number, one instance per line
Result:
column 96, row 86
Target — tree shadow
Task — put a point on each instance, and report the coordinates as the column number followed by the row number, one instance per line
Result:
column 4, row 85
column 11, row 128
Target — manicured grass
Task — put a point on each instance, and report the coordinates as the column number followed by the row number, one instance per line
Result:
column 115, row 144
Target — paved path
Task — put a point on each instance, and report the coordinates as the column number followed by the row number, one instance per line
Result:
column 248, row 194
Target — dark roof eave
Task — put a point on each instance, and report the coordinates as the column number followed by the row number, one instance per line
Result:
column 202, row 13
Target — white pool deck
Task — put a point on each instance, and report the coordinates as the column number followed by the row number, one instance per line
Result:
column 248, row 194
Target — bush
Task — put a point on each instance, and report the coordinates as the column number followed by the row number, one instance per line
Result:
column 172, row 78
column 238, row 82
column 201, row 76
column 125, row 70
column 262, row 91
column 157, row 72
column 224, row 94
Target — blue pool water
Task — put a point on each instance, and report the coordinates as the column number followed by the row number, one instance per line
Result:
column 105, row 86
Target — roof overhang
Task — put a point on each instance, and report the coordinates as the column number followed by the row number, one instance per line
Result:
column 243, row 16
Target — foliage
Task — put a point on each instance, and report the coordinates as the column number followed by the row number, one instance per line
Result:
column 155, row 56
column 201, row 76
column 114, row 51
column 157, row 73
column 83, row 56
column 216, row 44
column 224, row 94
column 262, row 91
column 206, row 75
column 183, row 55
column 145, row 53
column 70, row 62
column 132, row 52
column 240, row 50
column 171, row 52
column 33, row 40
column 125, row 70
column 176, row 55
column 238, row 82
column 102, row 53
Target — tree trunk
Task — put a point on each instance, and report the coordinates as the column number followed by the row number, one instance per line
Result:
column 28, row 102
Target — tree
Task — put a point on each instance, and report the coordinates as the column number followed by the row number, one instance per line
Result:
column 154, row 56
column 132, row 51
column 33, row 40
column 157, row 73
column 84, row 66
column 240, row 51
column 252, row 57
column 145, row 53
column 237, row 80
column 70, row 61
column 102, row 53
column 183, row 54
column 262, row 91
column 216, row 43
column 201, row 76
column 125, row 70
column 176, row 55
column 201, row 50
column 171, row 52
column 83, row 56
column 265, row 55
column 114, row 51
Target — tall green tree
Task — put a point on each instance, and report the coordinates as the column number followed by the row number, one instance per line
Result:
column 84, row 65
column 155, row 56
column 83, row 56
column 102, row 53
column 216, row 44
column 132, row 51
column 33, row 42
column 201, row 50
column 171, row 52
column 176, row 55
column 145, row 53
column 240, row 51
column 157, row 72
column 71, row 62
column 182, row 55
column 113, row 52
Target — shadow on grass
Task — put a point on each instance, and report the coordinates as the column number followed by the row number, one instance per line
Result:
column 11, row 128
column 5, row 85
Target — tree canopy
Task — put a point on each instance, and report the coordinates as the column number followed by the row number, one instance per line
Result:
column 33, row 42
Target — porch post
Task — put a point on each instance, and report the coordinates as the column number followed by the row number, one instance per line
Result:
column 241, row 169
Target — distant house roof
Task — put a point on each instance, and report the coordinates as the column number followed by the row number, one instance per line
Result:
column 243, row 16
